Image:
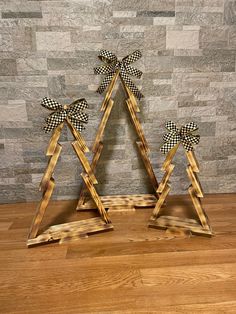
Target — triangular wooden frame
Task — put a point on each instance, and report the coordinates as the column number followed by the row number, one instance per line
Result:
column 75, row 229
column 201, row 227
column 142, row 200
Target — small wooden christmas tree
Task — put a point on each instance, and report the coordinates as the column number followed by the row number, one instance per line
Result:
column 172, row 140
column 114, row 69
column 75, row 118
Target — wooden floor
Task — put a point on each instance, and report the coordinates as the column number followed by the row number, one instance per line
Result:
column 132, row 269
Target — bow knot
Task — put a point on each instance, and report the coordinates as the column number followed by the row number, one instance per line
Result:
column 118, row 65
column 112, row 64
column 183, row 135
column 72, row 112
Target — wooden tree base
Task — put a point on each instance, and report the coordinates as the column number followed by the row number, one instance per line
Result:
column 192, row 225
column 124, row 201
column 71, row 231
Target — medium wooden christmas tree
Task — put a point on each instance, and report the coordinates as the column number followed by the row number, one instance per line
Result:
column 74, row 117
column 114, row 69
column 172, row 140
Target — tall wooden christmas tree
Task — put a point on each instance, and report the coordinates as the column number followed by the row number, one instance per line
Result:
column 114, row 69
column 74, row 117
column 172, row 140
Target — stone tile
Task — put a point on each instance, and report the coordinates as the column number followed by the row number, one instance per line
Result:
column 8, row 67
column 20, row 15
column 51, row 41
column 198, row 18
column 156, row 13
column 182, row 39
column 167, row 5
column 14, row 111
column 214, row 37
column 164, row 20
column 56, row 86
column 229, row 12
column 32, row 66
column 232, row 37
column 124, row 14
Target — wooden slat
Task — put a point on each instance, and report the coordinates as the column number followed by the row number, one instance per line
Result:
column 83, row 192
column 78, row 137
column 84, row 161
column 165, row 222
column 198, row 207
column 193, row 160
column 148, row 165
column 195, row 182
column 109, row 91
column 160, row 202
column 54, row 139
column 137, row 125
column 165, row 178
column 50, row 168
column 170, row 155
column 71, row 230
column 41, row 209
column 131, row 97
column 102, row 125
column 95, row 197
column 138, row 201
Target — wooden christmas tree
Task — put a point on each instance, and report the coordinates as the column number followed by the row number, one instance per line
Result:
column 74, row 117
column 114, row 69
column 172, row 140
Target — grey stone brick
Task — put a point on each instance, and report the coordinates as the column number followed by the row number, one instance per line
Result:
column 8, row 67
column 20, row 15
column 229, row 12
column 156, row 13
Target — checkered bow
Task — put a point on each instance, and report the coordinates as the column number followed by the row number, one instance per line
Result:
column 72, row 112
column 113, row 64
column 183, row 135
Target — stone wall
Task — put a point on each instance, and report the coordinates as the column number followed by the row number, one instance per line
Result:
column 50, row 48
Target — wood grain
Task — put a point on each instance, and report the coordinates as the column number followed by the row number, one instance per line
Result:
column 133, row 269
column 102, row 125
column 50, row 168
column 84, row 192
column 54, row 139
column 41, row 209
column 134, row 200
column 71, row 230
column 84, row 161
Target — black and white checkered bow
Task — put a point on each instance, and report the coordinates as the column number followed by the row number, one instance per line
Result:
column 72, row 112
column 183, row 135
column 113, row 64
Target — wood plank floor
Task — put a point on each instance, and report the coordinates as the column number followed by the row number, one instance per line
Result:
column 132, row 269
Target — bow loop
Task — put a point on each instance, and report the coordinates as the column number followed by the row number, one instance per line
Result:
column 107, row 56
column 183, row 135
column 112, row 64
column 188, row 128
column 171, row 126
column 134, row 56
column 168, row 136
column 104, row 69
column 51, row 104
column 132, row 71
column 73, row 113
